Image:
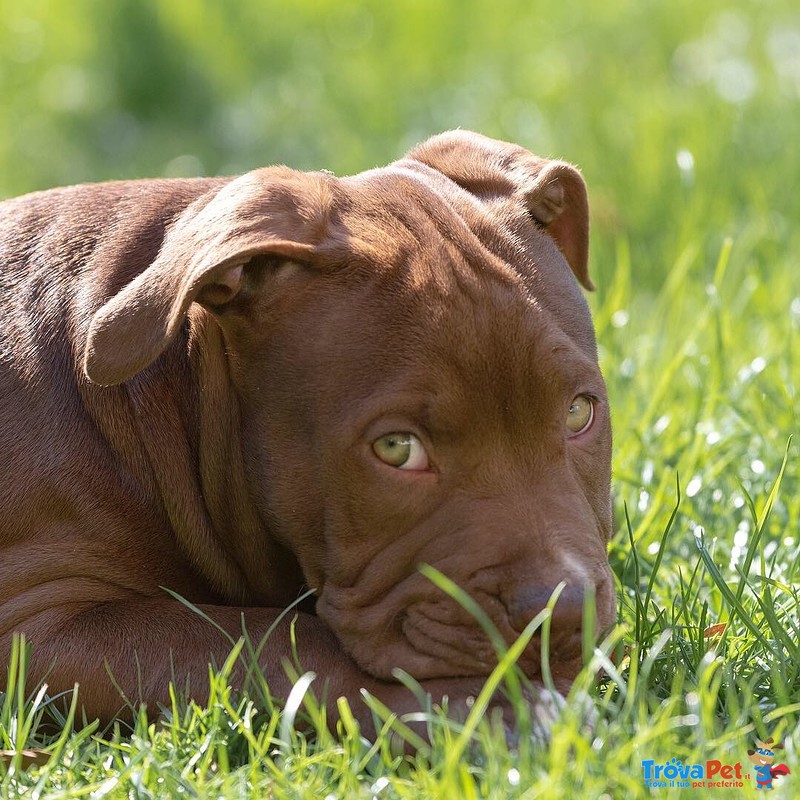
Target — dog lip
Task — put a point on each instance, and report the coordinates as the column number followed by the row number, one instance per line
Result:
column 427, row 640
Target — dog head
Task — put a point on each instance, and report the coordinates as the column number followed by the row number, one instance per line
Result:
column 417, row 375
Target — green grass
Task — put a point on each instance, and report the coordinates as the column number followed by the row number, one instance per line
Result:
column 697, row 315
column 670, row 693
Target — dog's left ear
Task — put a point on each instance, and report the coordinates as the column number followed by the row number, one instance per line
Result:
column 554, row 192
column 557, row 200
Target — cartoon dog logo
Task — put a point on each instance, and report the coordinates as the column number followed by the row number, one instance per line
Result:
column 762, row 759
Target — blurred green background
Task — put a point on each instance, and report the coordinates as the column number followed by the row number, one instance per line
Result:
column 99, row 89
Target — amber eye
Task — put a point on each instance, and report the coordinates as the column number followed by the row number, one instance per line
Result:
column 402, row 450
column 580, row 414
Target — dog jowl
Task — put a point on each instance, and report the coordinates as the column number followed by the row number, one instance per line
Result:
column 239, row 388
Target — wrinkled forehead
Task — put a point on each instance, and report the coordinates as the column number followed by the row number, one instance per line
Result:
column 436, row 322
column 443, row 249
column 395, row 210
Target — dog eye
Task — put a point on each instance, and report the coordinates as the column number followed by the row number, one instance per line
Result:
column 402, row 450
column 580, row 414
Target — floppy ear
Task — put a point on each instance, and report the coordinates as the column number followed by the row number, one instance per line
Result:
column 202, row 260
column 557, row 200
column 553, row 192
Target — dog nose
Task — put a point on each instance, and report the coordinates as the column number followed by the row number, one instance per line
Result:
column 527, row 601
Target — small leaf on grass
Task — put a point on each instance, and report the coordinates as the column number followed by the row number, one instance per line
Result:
column 621, row 654
column 28, row 758
column 714, row 632
column 731, row 598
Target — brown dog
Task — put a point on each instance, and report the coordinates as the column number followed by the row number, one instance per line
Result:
column 238, row 388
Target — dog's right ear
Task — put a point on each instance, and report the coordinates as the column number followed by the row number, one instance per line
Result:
column 276, row 212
